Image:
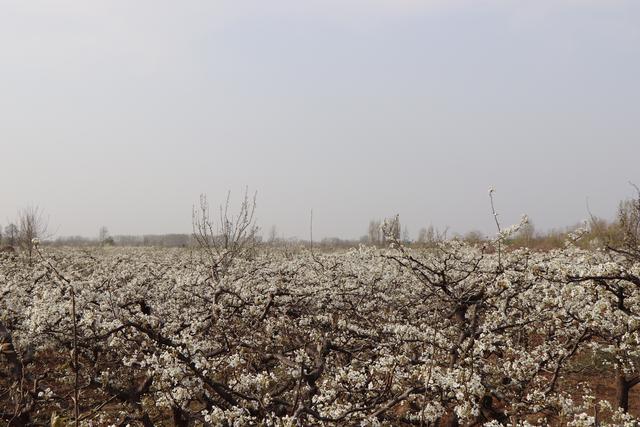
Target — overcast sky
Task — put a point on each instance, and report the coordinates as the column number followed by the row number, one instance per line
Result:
column 120, row 113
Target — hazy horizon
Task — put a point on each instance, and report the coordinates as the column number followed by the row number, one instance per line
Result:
column 121, row 114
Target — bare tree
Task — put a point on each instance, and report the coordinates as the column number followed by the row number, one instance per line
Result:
column 11, row 234
column 227, row 238
column 629, row 224
column 423, row 234
column 103, row 235
column 374, row 232
column 32, row 227
column 273, row 234
column 406, row 237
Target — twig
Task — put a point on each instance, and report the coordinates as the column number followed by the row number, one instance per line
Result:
column 95, row 410
column 495, row 217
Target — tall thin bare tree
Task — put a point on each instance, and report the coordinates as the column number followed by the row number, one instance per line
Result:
column 32, row 226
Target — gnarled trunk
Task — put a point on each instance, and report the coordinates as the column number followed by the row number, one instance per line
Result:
column 624, row 386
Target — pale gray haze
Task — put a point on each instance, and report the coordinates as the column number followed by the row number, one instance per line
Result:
column 120, row 113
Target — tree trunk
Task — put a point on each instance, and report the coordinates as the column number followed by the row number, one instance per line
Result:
column 623, row 392
column 179, row 417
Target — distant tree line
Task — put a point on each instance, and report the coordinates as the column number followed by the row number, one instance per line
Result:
column 161, row 240
column 31, row 226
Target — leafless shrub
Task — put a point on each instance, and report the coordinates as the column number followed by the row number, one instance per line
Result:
column 229, row 236
column 32, row 227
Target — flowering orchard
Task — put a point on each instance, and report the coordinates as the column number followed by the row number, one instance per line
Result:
column 446, row 336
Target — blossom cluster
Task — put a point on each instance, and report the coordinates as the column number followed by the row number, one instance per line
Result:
column 396, row 336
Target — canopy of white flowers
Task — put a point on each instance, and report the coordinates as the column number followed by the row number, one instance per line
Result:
column 451, row 335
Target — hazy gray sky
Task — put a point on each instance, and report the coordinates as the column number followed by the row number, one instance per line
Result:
column 120, row 113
